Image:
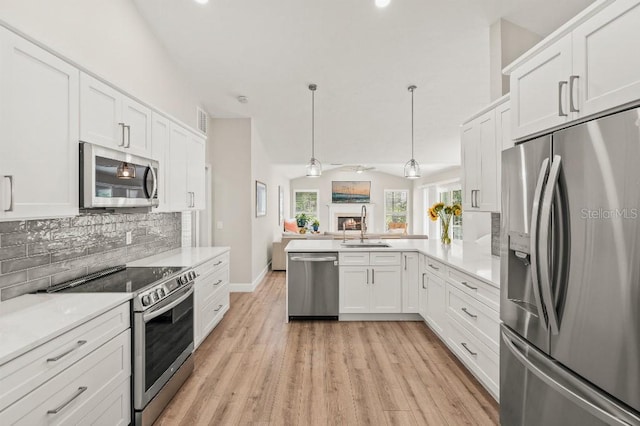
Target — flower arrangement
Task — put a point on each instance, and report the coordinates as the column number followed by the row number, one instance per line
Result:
column 445, row 213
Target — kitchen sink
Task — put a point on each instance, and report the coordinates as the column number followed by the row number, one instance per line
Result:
column 365, row 244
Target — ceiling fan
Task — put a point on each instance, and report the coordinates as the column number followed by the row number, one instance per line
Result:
column 358, row 168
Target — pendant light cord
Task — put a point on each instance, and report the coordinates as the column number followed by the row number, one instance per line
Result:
column 313, row 123
column 412, row 157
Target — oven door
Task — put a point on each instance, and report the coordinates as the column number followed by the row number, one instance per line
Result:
column 102, row 185
column 163, row 340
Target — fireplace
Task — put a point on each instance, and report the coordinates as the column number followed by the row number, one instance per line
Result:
column 349, row 222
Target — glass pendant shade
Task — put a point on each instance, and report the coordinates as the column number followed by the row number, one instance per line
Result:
column 126, row 171
column 412, row 169
column 314, row 168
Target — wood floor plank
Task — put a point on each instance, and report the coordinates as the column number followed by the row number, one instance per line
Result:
column 254, row 369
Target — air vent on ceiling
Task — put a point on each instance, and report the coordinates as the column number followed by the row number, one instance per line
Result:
column 202, row 120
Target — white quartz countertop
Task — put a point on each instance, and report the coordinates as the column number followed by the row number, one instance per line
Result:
column 28, row 321
column 471, row 258
column 186, row 256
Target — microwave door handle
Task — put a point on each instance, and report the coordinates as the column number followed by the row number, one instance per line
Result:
column 535, row 215
column 155, row 182
column 545, row 223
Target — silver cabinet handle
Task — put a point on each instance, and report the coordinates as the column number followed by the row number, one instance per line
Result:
column 128, row 136
column 219, row 307
column 469, row 313
column 434, row 267
column 193, row 199
column 423, row 275
column 80, row 391
column 62, row 355
column 11, row 192
column 405, row 262
column 464, row 345
column 464, row 283
column 123, row 126
column 367, row 275
column 219, row 262
column 473, row 192
column 561, row 113
column 572, row 105
column 373, row 276
column 217, row 283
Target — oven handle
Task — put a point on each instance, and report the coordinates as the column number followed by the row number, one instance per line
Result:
column 156, row 313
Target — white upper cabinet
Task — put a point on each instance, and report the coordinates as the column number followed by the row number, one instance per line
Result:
column 161, row 137
column 196, row 171
column 587, row 67
column 38, row 131
column 606, row 63
column 112, row 119
column 540, row 90
column 482, row 143
column 179, row 196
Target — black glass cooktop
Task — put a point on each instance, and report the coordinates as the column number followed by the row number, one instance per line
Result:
column 127, row 280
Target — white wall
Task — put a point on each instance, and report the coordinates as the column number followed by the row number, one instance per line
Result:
column 229, row 153
column 112, row 40
column 379, row 182
column 419, row 199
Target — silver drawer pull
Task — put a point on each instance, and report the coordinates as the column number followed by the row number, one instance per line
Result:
column 464, row 283
column 79, row 392
column 468, row 350
column 469, row 313
column 219, row 307
column 218, row 263
column 434, row 267
column 62, row 355
column 217, row 283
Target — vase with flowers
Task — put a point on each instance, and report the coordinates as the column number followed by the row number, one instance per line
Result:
column 444, row 212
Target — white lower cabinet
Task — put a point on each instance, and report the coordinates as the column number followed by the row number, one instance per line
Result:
column 410, row 282
column 211, row 296
column 374, row 287
column 436, row 310
column 92, row 388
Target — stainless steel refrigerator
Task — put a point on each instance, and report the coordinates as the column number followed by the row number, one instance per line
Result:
column 570, row 274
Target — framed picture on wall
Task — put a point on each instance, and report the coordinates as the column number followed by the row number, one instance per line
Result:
column 261, row 199
column 280, row 205
column 351, row 192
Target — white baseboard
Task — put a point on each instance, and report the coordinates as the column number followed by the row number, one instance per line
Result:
column 380, row 317
column 249, row 287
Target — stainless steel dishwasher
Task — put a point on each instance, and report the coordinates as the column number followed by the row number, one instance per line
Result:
column 313, row 286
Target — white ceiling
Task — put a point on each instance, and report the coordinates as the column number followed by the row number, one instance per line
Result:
column 362, row 58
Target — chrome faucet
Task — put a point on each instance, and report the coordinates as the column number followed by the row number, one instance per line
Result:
column 363, row 222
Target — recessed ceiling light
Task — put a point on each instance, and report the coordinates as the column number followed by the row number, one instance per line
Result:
column 380, row 3
column 205, row 1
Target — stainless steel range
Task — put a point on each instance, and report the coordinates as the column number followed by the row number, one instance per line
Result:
column 162, row 329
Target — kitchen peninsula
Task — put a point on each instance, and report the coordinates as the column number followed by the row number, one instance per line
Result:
column 455, row 289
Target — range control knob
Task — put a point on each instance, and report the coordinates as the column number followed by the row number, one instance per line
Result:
column 161, row 293
column 185, row 279
column 179, row 281
column 146, row 300
column 154, row 296
column 192, row 275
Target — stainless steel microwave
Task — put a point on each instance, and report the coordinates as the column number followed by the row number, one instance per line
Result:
column 110, row 178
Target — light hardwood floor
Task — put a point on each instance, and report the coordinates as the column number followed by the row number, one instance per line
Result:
column 254, row 369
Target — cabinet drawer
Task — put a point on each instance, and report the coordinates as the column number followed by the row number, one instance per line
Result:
column 485, row 293
column 114, row 409
column 384, row 258
column 436, row 267
column 482, row 362
column 213, row 265
column 25, row 373
column 208, row 285
column 480, row 320
column 213, row 311
column 77, row 391
column 356, row 258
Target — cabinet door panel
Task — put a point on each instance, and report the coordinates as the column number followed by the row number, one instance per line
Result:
column 195, row 171
column 487, row 196
column 606, row 58
column 39, row 128
column 161, row 139
column 535, row 93
column 410, row 283
column 470, row 135
column 100, row 113
column 436, row 304
column 179, row 197
column 138, row 118
column 386, row 289
column 355, row 293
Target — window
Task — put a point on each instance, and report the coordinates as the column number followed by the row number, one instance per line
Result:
column 395, row 209
column 449, row 196
column 306, row 201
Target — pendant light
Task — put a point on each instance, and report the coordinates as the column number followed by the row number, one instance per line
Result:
column 126, row 171
column 412, row 168
column 314, row 168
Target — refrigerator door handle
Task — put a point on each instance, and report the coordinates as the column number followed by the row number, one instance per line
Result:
column 545, row 224
column 566, row 384
column 535, row 215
